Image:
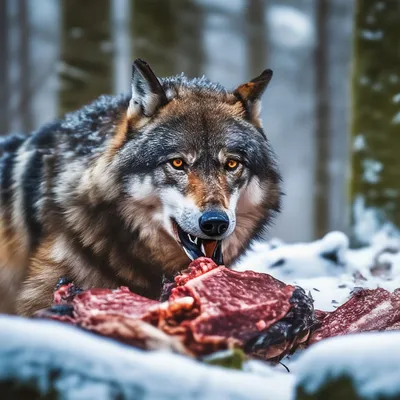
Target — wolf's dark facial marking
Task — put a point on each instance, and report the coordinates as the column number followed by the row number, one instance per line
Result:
column 129, row 188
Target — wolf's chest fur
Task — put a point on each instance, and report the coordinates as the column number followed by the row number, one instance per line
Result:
column 93, row 196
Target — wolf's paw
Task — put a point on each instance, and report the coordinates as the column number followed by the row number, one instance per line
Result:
column 65, row 291
column 62, row 282
column 284, row 336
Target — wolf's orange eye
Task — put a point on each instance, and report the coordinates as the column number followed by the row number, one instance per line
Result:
column 232, row 164
column 177, row 163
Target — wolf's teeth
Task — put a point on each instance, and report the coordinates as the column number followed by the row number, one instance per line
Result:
column 203, row 250
column 193, row 239
column 188, row 254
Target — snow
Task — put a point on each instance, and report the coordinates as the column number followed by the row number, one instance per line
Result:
column 372, row 168
column 328, row 268
column 396, row 118
column 366, row 221
column 371, row 360
column 359, row 143
column 86, row 366
column 371, row 35
column 396, row 98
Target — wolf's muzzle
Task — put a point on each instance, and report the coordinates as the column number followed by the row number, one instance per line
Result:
column 214, row 223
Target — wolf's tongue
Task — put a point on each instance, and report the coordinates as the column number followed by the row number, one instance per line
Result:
column 209, row 247
column 196, row 247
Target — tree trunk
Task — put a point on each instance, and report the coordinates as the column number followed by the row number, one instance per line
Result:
column 86, row 69
column 322, row 126
column 24, row 108
column 4, row 86
column 168, row 35
column 375, row 184
column 256, row 37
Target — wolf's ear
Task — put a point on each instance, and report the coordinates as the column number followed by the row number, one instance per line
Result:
column 251, row 93
column 147, row 93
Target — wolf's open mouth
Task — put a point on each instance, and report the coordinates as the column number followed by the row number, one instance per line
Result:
column 196, row 247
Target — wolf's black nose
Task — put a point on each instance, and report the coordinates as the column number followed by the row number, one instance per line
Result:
column 214, row 223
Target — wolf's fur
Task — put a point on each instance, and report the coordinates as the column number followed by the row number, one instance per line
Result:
column 91, row 196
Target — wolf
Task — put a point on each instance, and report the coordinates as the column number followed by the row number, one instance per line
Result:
column 128, row 189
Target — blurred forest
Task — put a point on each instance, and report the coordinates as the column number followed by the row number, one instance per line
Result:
column 60, row 54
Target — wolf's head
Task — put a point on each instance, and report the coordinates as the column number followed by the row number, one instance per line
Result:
column 195, row 163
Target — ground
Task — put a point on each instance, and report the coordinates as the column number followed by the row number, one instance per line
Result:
column 50, row 358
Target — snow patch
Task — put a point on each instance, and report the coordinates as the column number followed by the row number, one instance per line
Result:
column 327, row 268
column 396, row 118
column 85, row 366
column 370, row 360
column 396, row 98
column 359, row 143
column 372, row 168
column 371, row 35
column 366, row 221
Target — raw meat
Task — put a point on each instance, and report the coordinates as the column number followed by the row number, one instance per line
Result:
column 118, row 314
column 209, row 308
column 234, row 308
column 367, row 310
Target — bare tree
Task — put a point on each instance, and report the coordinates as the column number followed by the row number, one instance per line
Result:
column 3, row 68
column 168, row 34
column 322, row 126
column 86, row 63
column 256, row 36
column 25, row 66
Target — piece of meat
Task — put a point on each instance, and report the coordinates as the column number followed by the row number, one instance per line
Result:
column 367, row 310
column 263, row 315
column 231, row 304
column 209, row 308
column 132, row 331
column 116, row 302
column 118, row 314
